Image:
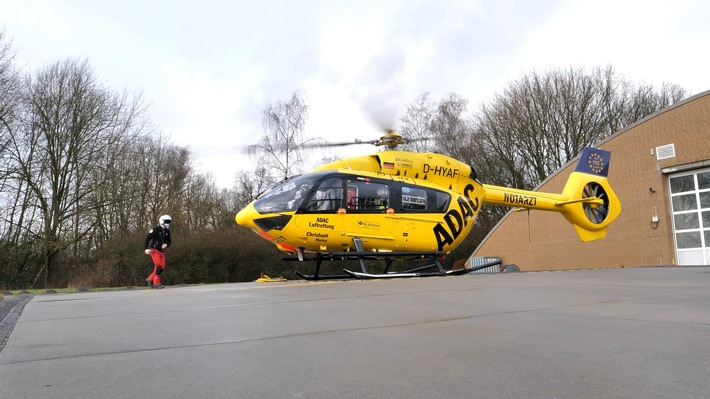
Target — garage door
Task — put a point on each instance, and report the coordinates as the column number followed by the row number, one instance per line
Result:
column 690, row 203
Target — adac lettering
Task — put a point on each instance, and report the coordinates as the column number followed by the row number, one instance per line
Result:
column 322, row 223
column 440, row 170
column 456, row 219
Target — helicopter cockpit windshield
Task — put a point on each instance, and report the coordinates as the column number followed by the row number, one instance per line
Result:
column 288, row 195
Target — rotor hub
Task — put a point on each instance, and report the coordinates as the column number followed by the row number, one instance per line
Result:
column 391, row 139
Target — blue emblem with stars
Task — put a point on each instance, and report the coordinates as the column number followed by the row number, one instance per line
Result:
column 594, row 161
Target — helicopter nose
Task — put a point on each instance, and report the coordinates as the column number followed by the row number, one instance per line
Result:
column 245, row 217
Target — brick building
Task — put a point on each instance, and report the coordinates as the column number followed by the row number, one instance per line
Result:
column 660, row 170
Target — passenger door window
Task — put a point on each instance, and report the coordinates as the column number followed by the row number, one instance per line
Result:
column 363, row 195
column 414, row 199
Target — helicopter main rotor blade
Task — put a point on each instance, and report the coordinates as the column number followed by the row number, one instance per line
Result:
column 341, row 144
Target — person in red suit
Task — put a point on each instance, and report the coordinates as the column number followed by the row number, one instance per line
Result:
column 156, row 242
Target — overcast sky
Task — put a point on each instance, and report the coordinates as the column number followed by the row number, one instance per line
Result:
column 208, row 68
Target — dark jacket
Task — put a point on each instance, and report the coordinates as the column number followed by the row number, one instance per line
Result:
column 157, row 236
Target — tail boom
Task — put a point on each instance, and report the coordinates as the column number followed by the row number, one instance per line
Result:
column 587, row 201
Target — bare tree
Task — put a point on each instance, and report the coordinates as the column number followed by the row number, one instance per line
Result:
column 443, row 127
column 163, row 174
column 543, row 120
column 127, row 174
column 452, row 128
column 282, row 146
column 10, row 95
column 251, row 185
column 71, row 123
column 204, row 207
column 113, row 173
column 16, row 248
column 417, row 124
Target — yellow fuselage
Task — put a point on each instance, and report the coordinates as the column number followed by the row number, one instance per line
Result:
column 400, row 201
column 431, row 205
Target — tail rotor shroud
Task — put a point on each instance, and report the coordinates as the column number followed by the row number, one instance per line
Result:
column 595, row 213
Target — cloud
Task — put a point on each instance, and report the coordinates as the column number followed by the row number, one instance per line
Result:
column 209, row 69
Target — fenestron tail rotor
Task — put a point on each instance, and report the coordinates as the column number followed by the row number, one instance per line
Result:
column 596, row 213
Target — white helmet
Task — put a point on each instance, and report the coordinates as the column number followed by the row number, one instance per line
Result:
column 164, row 221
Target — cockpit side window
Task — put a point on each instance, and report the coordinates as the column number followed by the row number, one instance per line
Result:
column 286, row 196
column 327, row 197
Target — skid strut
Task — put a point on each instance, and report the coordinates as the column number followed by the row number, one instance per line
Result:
column 432, row 269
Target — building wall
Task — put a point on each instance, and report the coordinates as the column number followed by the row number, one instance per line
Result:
column 538, row 240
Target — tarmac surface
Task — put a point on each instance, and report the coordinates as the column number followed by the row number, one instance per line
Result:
column 620, row 333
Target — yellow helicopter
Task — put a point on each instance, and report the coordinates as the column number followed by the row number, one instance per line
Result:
column 408, row 205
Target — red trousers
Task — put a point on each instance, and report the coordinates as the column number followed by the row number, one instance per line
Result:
column 158, row 265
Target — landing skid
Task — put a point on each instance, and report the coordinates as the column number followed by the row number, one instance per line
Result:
column 434, row 269
column 454, row 272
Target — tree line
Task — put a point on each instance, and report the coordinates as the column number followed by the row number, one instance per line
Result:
column 84, row 172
